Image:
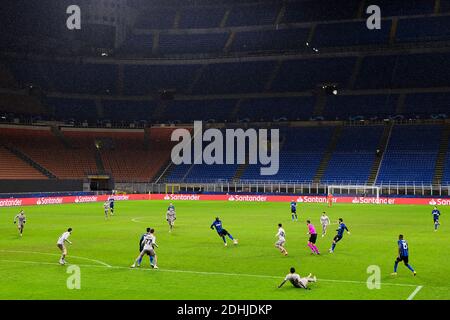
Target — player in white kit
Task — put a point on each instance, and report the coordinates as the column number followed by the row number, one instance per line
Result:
column 149, row 244
column 106, row 208
column 325, row 222
column 281, row 240
column 171, row 216
column 21, row 219
column 61, row 245
column 298, row 281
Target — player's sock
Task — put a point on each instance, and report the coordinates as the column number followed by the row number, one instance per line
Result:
column 395, row 267
column 310, row 245
column 333, row 246
column 409, row 267
column 230, row 236
column 151, row 260
column 224, row 239
column 315, row 249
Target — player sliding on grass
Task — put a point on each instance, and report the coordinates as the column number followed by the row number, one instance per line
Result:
column 312, row 237
column 281, row 240
column 297, row 281
column 340, row 234
column 222, row 232
column 403, row 255
column 21, row 219
column 141, row 247
column 149, row 244
column 61, row 245
column 171, row 216
column 436, row 214
column 324, row 221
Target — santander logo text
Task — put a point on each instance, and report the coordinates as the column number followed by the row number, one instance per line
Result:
column 373, row 200
column 10, row 202
column 248, row 198
column 83, row 199
column 440, row 202
column 41, row 201
column 183, row 197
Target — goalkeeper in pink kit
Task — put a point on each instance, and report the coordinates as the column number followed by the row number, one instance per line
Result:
column 312, row 238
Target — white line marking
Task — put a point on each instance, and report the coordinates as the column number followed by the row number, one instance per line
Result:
column 54, row 254
column 412, row 295
column 136, row 220
column 208, row 273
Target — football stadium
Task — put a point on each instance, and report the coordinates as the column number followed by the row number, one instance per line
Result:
column 224, row 150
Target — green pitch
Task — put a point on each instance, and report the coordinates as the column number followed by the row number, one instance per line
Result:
column 194, row 264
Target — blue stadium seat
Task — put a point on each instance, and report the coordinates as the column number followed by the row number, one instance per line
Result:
column 249, row 15
column 201, row 17
column 269, row 109
column 446, row 176
column 369, row 106
column 78, row 109
column 145, row 79
column 424, row 29
column 428, row 103
column 350, row 34
column 411, row 154
column 156, row 18
column 405, row 7
column 192, row 43
column 299, row 75
column 234, row 77
column 270, row 40
column 124, row 110
column 313, row 10
column 354, row 155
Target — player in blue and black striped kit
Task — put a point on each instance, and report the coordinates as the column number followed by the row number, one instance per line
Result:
column 340, row 234
column 294, row 210
column 436, row 214
column 222, row 232
column 403, row 255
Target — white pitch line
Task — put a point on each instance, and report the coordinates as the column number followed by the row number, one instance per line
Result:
column 206, row 273
column 54, row 254
column 412, row 295
column 136, row 220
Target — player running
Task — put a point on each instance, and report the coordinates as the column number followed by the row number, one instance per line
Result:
column 149, row 244
column 312, row 238
column 61, row 245
column 21, row 219
column 281, row 240
column 403, row 255
column 330, row 199
column 294, row 210
column 111, row 205
column 106, row 209
column 297, row 281
column 436, row 214
column 141, row 246
column 171, row 216
column 340, row 234
column 222, row 232
column 325, row 222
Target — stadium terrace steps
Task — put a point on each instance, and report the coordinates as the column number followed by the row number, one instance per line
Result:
column 328, row 153
column 378, row 159
column 442, row 155
column 25, row 158
column 13, row 167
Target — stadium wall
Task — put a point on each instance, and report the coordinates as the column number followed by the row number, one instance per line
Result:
column 17, row 202
column 16, row 186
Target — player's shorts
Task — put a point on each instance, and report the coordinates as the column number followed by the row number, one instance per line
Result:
column 402, row 258
column 436, row 220
column 280, row 242
column 313, row 238
column 20, row 225
column 302, row 283
column 149, row 252
column 223, row 233
column 170, row 221
column 293, row 210
column 337, row 238
column 62, row 248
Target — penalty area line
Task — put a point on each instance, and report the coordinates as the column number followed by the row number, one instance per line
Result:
column 412, row 295
column 211, row 273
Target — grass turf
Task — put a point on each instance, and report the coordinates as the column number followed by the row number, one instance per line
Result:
column 194, row 264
